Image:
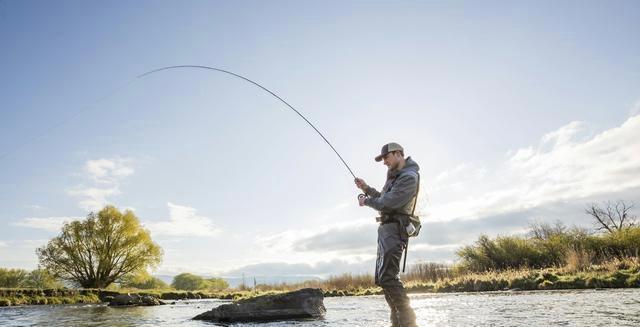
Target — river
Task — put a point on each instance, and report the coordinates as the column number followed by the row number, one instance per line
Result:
column 610, row 307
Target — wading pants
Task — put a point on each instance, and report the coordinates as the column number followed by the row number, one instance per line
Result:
column 392, row 239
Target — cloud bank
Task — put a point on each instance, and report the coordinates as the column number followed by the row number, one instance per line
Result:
column 183, row 221
column 565, row 165
column 105, row 177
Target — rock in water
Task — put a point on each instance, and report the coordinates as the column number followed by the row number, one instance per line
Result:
column 301, row 304
column 124, row 300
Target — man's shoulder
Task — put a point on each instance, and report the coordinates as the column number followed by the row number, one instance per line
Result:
column 409, row 175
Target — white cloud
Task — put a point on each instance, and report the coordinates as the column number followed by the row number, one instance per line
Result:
column 565, row 135
column 564, row 166
column 51, row 224
column 183, row 221
column 327, row 238
column 3, row 244
column 106, row 176
column 108, row 171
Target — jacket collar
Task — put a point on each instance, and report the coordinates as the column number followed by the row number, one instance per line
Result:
column 409, row 165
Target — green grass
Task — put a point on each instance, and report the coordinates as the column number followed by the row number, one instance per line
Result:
column 13, row 297
column 533, row 279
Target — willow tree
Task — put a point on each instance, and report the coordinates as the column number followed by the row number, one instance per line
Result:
column 100, row 249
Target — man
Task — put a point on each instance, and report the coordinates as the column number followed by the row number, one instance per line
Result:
column 395, row 203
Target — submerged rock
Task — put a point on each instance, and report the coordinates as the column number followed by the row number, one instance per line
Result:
column 302, row 304
column 133, row 300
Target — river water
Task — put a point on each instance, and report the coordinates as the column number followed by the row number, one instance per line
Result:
column 617, row 307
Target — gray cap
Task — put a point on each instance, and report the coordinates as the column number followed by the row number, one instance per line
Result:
column 389, row 147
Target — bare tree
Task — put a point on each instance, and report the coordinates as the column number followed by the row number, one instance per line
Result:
column 544, row 231
column 613, row 217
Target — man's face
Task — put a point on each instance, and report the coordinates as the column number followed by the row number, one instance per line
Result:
column 392, row 159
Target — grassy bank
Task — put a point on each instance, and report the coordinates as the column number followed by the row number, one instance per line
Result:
column 11, row 297
column 21, row 296
column 516, row 280
column 622, row 274
column 535, row 279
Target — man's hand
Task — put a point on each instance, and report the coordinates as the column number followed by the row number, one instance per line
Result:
column 361, row 199
column 361, row 184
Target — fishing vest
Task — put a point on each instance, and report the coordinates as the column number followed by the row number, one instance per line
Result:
column 412, row 222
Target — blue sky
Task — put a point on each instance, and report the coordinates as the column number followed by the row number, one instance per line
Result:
column 515, row 111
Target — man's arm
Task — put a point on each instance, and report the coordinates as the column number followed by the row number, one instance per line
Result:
column 368, row 190
column 400, row 194
column 372, row 192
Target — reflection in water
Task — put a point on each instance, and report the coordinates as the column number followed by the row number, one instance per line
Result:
column 619, row 307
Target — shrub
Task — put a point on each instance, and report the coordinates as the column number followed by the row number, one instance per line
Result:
column 188, row 282
column 575, row 248
column 13, row 278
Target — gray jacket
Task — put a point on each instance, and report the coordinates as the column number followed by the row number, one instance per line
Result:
column 399, row 191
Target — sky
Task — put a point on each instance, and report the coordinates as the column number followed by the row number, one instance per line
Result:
column 516, row 111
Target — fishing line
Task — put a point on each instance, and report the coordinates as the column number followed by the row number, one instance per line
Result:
column 264, row 88
column 63, row 122
column 86, row 108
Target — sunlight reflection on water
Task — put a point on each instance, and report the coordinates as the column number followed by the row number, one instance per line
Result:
column 620, row 307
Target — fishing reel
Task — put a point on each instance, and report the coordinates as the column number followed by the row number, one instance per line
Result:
column 361, row 196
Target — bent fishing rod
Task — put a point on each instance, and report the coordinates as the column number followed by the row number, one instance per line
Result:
column 141, row 76
column 262, row 87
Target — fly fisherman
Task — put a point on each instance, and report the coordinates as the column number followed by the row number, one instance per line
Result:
column 396, row 203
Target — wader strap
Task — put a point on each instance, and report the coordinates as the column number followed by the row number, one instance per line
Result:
column 415, row 202
column 406, row 249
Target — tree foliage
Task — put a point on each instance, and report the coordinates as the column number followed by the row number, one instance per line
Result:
column 191, row 282
column 142, row 280
column 188, row 282
column 216, row 284
column 42, row 279
column 100, row 249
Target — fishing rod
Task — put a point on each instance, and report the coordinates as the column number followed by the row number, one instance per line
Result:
column 141, row 76
column 262, row 87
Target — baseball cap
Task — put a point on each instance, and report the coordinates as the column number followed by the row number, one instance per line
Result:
column 389, row 147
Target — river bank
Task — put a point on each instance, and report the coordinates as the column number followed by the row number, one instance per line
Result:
column 517, row 280
column 513, row 280
column 13, row 296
